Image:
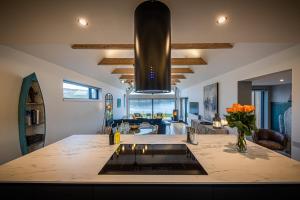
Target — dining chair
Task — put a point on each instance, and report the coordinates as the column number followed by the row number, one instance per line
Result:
column 145, row 125
column 155, row 129
column 107, row 130
column 127, row 127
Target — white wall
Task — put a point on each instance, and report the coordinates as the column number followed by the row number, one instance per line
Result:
column 63, row 118
column 284, row 60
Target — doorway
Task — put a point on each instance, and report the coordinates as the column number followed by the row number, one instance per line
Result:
column 271, row 94
column 183, row 114
column 260, row 99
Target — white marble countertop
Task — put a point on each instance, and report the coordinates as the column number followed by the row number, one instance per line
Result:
column 79, row 158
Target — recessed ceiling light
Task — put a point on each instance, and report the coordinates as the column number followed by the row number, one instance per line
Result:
column 221, row 19
column 82, row 22
column 281, row 80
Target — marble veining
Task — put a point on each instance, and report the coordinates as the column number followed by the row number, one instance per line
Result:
column 79, row 158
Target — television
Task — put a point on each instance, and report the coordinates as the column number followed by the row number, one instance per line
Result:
column 194, row 108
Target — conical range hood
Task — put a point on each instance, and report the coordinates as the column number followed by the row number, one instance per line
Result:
column 152, row 47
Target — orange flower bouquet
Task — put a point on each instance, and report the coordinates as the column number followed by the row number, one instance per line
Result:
column 243, row 118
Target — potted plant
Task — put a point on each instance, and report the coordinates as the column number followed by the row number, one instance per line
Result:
column 243, row 118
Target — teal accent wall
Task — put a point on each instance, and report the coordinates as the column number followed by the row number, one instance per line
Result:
column 278, row 108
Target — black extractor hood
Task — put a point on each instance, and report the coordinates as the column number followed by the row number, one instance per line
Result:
column 152, row 47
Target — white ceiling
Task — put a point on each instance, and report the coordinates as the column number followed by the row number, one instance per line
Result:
column 273, row 79
column 219, row 61
column 47, row 28
column 111, row 21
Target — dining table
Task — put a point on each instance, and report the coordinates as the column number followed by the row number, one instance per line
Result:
column 142, row 131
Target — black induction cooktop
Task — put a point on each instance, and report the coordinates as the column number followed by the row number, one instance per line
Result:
column 153, row 159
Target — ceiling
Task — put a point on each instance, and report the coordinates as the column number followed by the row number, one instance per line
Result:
column 86, row 61
column 273, row 79
column 47, row 28
column 111, row 21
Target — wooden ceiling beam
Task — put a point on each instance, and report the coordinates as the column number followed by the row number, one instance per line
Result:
column 131, row 77
column 117, row 61
column 102, row 46
column 128, row 71
column 182, row 71
column 178, row 76
column 202, row 46
column 131, row 71
column 130, row 61
column 127, row 77
column 188, row 61
column 173, row 46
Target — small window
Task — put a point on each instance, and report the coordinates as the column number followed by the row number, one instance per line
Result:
column 79, row 91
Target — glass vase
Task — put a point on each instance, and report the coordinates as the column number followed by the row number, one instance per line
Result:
column 241, row 144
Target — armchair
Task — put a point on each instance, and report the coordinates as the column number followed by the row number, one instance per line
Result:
column 270, row 139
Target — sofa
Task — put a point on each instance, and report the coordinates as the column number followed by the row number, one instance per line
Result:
column 161, row 124
column 270, row 139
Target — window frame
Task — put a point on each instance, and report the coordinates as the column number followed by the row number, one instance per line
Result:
column 90, row 88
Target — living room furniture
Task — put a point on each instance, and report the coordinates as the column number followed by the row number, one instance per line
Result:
column 270, row 139
column 159, row 115
column 145, row 125
column 288, row 128
column 168, row 124
column 155, row 130
column 136, row 115
column 203, row 127
column 106, row 130
column 147, row 130
column 159, row 122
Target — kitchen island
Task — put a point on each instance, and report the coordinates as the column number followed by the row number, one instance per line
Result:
column 76, row 161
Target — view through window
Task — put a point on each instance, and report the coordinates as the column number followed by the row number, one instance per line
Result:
column 152, row 108
column 73, row 90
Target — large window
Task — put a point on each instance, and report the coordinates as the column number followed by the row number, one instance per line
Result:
column 164, row 106
column 79, row 91
column 150, row 108
column 141, row 106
